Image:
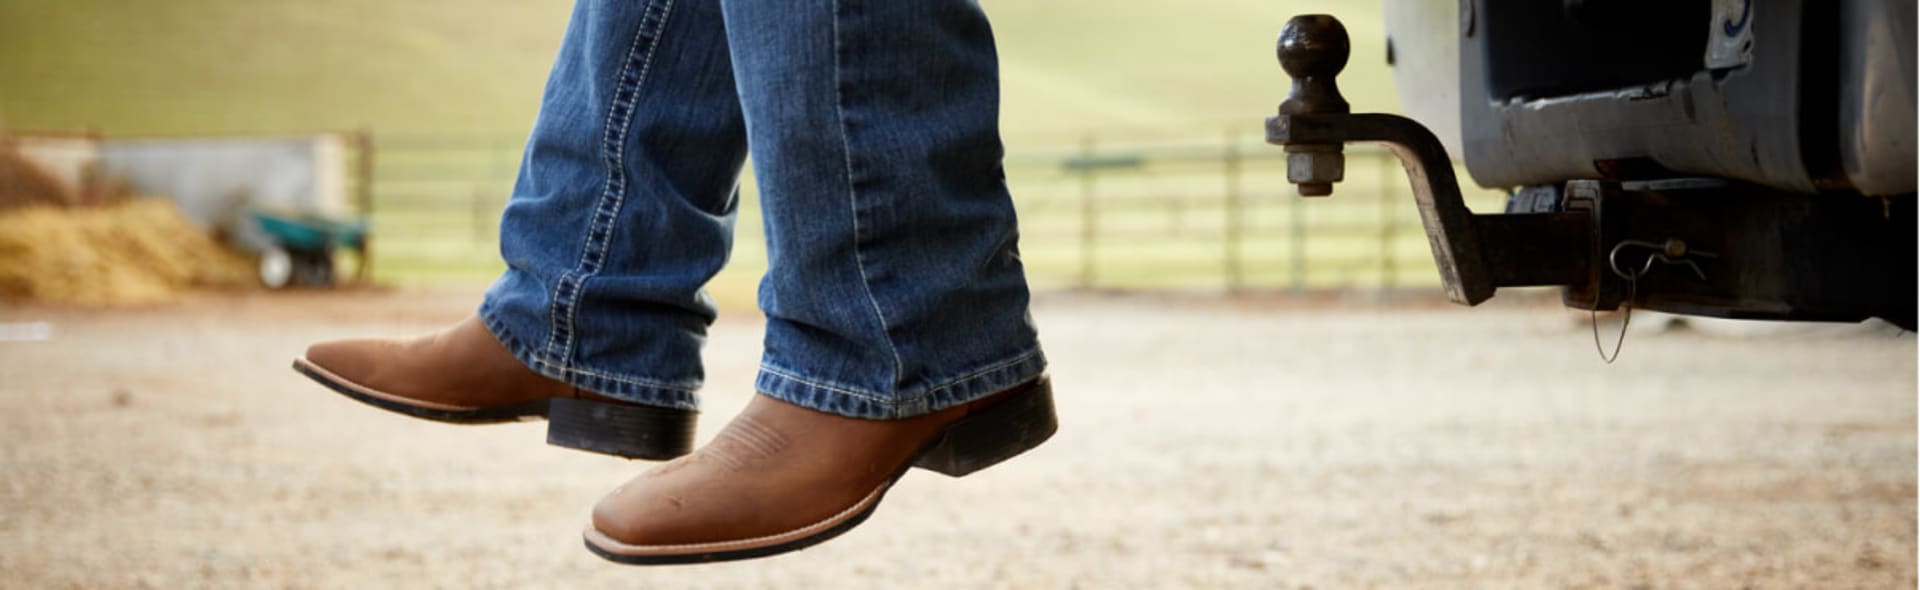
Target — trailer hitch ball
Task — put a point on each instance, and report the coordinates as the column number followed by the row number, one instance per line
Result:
column 1313, row 49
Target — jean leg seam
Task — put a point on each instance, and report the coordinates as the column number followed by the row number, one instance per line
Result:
column 892, row 401
column 613, row 151
column 827, row 385
column 566, row 374
column 853, row 203
column 628, row 380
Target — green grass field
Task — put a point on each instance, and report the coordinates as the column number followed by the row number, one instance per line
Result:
column 1119, row 67
column 1126, row 72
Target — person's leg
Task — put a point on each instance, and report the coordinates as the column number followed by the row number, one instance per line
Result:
column 622, row 211
column 625, row 203
column 897, row 324
column 895, row 286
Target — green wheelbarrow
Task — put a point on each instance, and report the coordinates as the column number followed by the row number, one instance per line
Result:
column 301, row 248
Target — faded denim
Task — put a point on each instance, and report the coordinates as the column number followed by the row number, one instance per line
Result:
column 895, row 285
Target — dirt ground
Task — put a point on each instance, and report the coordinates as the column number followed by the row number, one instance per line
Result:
column 1205, row 444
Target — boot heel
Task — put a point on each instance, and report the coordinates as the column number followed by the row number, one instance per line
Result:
column 993, row 434
column 621, row 430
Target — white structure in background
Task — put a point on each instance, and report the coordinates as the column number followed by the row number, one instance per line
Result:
column 216, row 180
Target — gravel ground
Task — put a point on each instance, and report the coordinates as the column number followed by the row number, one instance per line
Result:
column 1205, row 444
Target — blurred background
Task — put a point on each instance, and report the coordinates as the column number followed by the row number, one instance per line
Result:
column 1135, row 139
column 1259, row 390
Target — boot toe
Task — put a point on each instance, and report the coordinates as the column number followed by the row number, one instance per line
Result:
column 657, row 508
column 630, row 516
column 350, row 359
column 610, row 518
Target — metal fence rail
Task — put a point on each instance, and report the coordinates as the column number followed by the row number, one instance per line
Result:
column 1213, row 215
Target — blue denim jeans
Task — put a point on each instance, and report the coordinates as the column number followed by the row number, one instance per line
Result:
column 894, row 287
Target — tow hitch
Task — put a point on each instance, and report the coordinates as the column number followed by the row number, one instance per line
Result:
column 1476, row 253
column 1699, row 246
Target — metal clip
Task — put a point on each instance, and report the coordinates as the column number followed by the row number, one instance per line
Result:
column 1672, row 252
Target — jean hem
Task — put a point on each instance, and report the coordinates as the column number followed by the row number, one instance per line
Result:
column 792, row 387
column 639, row 390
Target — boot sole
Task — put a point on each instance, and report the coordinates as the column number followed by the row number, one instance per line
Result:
column 980, row 440
column 620, row 430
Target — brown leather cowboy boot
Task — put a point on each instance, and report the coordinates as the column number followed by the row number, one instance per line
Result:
column 781, row 477
column 463, row 375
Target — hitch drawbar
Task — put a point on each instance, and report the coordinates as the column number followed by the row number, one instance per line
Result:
column 1476, row 254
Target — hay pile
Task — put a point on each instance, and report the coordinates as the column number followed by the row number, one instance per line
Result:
column 22, row 183
column 134, row 252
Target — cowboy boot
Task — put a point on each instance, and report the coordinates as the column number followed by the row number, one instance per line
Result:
column 782, row 477
column 463, row 375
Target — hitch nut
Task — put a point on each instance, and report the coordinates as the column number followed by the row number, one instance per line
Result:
column 1315, row 170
